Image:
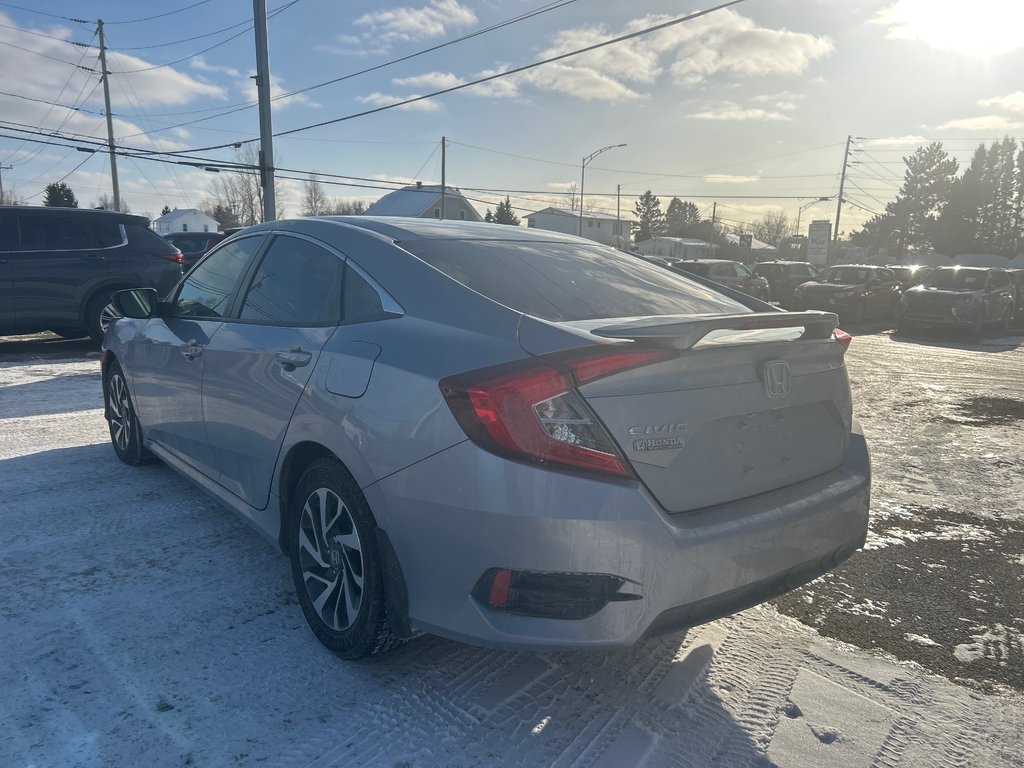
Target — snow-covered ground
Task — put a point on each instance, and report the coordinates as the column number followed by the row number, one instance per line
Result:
column 141, row 624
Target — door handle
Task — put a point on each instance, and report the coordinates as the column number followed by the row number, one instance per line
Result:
column 92, row 257
column 191, row 350
column 293, row 358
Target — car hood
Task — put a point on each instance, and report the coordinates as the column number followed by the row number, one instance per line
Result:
column 936, row 294
column 827, row 288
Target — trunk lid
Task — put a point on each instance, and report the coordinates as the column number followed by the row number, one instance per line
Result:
column 749, row 403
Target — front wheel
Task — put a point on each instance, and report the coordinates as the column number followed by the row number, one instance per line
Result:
column 99, row 315
column 335, row 564
column 125, row 430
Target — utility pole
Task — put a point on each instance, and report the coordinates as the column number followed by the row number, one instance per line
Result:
column 444, row 141
column 618, row 204
column 714, row 214
column 110, row 122
column 2, row 169
column 842, row 184
column 262, row 78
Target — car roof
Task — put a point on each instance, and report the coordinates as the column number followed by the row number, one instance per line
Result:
column 858, row 266
column 707, row 261
column 784, row 262
column 193, row 234
column 55, row 211
column 400, row 228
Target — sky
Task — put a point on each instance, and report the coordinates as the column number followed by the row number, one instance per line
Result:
column 748, row 107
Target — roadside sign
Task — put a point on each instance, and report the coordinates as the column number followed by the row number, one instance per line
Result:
column 746, row 241
column 819, row 234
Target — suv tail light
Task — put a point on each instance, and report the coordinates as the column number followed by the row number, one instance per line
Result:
column 176, row 257
column 842, row 337
column 531, row 410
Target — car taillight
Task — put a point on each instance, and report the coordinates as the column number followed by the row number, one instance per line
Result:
column 176, row 257
column 842, row 337
column 530, row 410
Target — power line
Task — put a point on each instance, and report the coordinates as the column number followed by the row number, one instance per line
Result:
column 159, row 15
column 40, row 34
column 44, row 55
column 43, row 13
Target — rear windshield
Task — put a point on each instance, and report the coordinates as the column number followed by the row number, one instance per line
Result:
column 770, row 270
column 189, row 245
column 693, row 268
column 845, row 275
column 567, row 282
column 957, row 279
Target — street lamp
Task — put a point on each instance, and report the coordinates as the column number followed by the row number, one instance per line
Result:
column 805, row 206
column 583, row 172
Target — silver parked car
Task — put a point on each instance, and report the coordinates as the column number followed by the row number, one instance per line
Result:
column 504, row 436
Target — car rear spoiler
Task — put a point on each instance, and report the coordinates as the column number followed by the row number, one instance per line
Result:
column 684, row 331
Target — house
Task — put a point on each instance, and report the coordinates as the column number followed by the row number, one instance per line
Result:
column 677, row 248
column 756, row 251
column 423, row 201
column 185, row 220
column 602, row 227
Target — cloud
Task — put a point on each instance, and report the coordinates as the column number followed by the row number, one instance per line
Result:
column 1013, row 102
column 201, row 64
column 725, row 178
column 730, row 110
column 378, row 99
column 990, row 123
column 405, row 24
column 247, row 86
column 897, row 141
column 986, row 28
column 431, row 81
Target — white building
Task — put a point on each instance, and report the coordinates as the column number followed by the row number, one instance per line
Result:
column 677, row 248
column 601, row 227
column 185, row 220
column 423, row 201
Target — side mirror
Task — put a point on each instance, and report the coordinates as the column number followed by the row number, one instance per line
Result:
column 137, row 303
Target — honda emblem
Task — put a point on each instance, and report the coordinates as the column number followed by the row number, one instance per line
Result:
column 775, row 374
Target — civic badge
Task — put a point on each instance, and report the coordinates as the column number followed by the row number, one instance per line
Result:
column 775, row 375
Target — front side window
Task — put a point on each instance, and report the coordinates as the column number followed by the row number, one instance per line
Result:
column 296, row 283
column 210, row 285
column 742, row 271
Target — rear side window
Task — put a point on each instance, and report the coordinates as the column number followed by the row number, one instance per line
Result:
column 296, row 283
column 43, row 232
column 208, row 289
column 362, row 302
column 107, row 233
column 565, row 281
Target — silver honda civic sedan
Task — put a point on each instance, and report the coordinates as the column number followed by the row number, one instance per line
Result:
column 500, row 435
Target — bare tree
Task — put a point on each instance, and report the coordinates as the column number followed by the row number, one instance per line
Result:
column 240, row 194
column 772, row 227
column 10, row 196
column 339, row 207
column 314, row 200
column 106, row 202
column 574, row 198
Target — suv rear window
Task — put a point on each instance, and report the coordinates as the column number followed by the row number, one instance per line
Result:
column 143, row 237
column 107, row 232
column 565, row 282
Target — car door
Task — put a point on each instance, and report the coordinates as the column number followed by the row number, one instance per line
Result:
column 724, row 274
column 55, row 262
column 744, row 279
column 259, row 362
column 998, row 296
column 169, row 355
column 6, row 287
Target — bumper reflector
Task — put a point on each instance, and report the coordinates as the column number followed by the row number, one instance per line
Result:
column 549, row 595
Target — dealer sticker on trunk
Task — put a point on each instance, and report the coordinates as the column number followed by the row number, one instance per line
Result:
column 658, row 444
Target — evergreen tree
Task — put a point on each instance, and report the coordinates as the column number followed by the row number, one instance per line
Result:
column 489, row 217
column 59, row 195
column 682, row 219
column 926, row 186
column 503, row 214
column 650, row 221
column 166, row 210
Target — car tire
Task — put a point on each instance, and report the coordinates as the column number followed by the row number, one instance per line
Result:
column 99, row 314
column 1008, row 319
column 332, row 541
column 978, row 324
column 122, row 421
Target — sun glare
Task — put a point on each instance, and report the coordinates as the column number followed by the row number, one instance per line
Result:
column 980, row 28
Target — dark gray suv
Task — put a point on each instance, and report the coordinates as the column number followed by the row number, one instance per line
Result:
column 59, row 267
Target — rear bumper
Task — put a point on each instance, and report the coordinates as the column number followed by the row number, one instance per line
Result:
column 938, row 316
column 463, row 511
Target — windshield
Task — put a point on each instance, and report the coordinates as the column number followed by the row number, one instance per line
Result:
column 846, row 275
column 770, row 271
column 957, row 279
column 565, row 282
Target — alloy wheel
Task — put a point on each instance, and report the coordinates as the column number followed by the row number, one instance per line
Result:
column 331, row 559
column 108, row 315
column 120, row 412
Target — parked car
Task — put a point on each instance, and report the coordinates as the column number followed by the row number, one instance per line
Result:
column 193, row 245
column 511, row 442
column 856, row 291
column 59, row 267
column 784, row 276
column 969, row 297
column 1017, row 276
column 911, row 275
column 729, row 273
